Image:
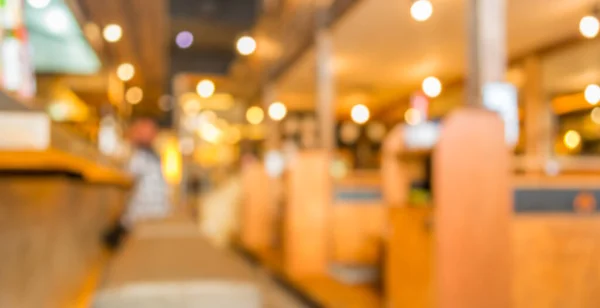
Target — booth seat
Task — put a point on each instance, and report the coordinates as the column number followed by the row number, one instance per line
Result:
column 556, row 241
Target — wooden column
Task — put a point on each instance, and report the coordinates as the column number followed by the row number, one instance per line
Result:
column 325, row 89
column 272, row 138
column 486, row 50
column 471, row 177
column 538, row 118
column 472, row 191
column 309, row 185
column 180, row 85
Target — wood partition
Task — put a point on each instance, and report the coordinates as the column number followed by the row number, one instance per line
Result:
column 358, row 220
column 257, row 209
column 556, row 241
column 469, row 249
column 309, row 197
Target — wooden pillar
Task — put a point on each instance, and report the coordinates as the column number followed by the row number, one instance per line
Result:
column 472, row 191
column 272, row 138
column 538, row 118
column 486, row 50
column 309, row 184
column 472, row 179
column 325, row 89
column 181, row 194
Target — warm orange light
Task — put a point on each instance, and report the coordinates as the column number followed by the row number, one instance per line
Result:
column 171, row 159
column 134, row 95
column 205, row 88
column 255, row 115
column 277, row 111
column 413, row 116
column 360, row 114
column 125, row 71
column 112, row 33
column 572, row 139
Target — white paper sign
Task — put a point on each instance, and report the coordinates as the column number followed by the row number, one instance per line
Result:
column 503, row 99
column 421, row 137
column 24, row 131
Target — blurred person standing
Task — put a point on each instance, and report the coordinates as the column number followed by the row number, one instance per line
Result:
column 149, row 199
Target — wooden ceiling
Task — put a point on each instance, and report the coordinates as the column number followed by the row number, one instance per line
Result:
column 144, row 43
column 149, row 31
column 382, row 55
column 284, row 30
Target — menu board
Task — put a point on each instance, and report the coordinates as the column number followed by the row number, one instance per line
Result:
column 16, row 70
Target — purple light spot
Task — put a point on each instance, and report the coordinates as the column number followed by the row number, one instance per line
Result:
column 184, row 39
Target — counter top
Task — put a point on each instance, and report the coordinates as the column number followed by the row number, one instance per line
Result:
column 57, row 160
column 31, row 142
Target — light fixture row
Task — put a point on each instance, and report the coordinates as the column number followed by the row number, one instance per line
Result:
column 245, row 45
column 277, row 112
column 589, row 26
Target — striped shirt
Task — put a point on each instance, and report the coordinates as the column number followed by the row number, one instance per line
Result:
column 150, row 197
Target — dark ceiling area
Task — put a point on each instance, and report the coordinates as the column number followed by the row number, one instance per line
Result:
column 149, row 31
column 216, row 26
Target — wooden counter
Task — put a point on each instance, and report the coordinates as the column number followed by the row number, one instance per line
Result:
column 59, row 196
column 33, row 143
column 54, row 160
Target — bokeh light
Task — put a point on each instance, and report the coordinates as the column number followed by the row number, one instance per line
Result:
column 210, row 132
column 592, row 94
column 246, row 45
column 432, row 86
column 184, row 39
column 277, row 111
column 112, row 33
column 134, row 95
column 413, row 116
column 589, row 26
column 596, row 115
column 360, row 114
column 255, row 115
column 191, row 106
column 56, row 20
column 421, row 10
column 38, row 4
column 125, row 71
column 205, row 88
column 572, row 139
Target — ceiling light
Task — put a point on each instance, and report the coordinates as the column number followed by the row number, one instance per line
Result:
column 56, row 20
column 589, row 26
column 246, row 45
column 432, row 87
column 413, row 116
column 192, row 106
column 255, row 115
column 360, row 114
column 277, row 111
column 125, row 71
column 184, row 39
column 596, row 115
column 134, row 95
column 38, row 4
column 205, row 88
column 421, row 10
column 592, row 94
column 112, row 33
column 572, row 139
